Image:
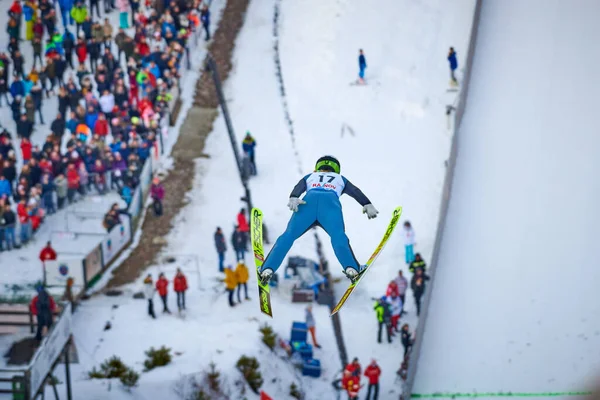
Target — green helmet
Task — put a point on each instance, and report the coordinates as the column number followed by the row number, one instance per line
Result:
column 328, row 162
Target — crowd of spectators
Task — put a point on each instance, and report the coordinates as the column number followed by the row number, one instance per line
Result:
column 111, row 88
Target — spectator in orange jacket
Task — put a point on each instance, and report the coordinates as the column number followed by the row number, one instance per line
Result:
column 42, row 306
column 47, row 253
column 162, row 284
column 372, row 372
column 242, row 275
column 180, row 286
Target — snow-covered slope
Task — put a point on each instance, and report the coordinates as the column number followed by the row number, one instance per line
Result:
column 513, row 307
column 396, row 156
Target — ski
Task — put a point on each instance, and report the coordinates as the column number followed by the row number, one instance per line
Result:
column 256, row 235
column 392, row 225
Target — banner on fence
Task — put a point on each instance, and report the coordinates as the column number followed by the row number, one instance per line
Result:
column 116, row 240
column 59, row 270
column 50, row 350
column 92, row 264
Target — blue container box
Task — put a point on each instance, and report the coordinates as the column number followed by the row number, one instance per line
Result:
column 312, row 368
column 299, row 332
column 304, row 349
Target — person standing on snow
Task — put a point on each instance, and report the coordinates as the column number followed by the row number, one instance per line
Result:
column 417, row 284
column 42, row 306
column 248, row 145
column 320, row 206
column 395, row 309
column 362, row 65
column 372, row 372
column 149, row 294
column 417, row 263
column 221, row 247
column 242, row 275
column 382, row 310
column 402, row 285
column 230, row 283
column 409, row 243
column 311, row 325
column 453, row 65
column 406, row 339
column 242, row 222
column 238, row 241
column 162, row 285
column 180, row 286
column 205, row 18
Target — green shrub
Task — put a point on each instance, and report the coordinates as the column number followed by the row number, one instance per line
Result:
column 157, row 358
column 115, row 368
column 295, row 392
column 268, row 336
column 95, row 374
column 213, row 377
column 248, row 366
column 201, row 395
column 129, row 378
column 111, row 368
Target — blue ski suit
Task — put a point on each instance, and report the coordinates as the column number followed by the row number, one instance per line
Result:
column 322, row 208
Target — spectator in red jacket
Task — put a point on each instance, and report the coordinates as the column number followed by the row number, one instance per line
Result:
column 243, row 224
column 25, row 221
column 101, row 126
column 372, row 372
column 162, row 285
column 351, row 384
column 180, row 286
column 47, row 253
column 81, row 51
column 392, row 290
column 42, row 306
column 26, row 149
column 72, row 182
column 354, row 367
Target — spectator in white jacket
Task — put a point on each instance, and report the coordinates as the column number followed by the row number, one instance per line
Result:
column 402, row 284
column 409, row 242
column 149, row 294
column 107, row 104
column 396, row 310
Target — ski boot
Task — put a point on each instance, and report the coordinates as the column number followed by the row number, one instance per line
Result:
column 265, row 276
column 352, row 274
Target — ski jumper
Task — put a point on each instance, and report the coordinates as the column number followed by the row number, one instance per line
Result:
column 322, row 208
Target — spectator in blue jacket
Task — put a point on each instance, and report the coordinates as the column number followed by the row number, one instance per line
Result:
column 205, row 18
column 248, row 145
column 4, row 187
column 362, row 65
column 17, row 88
column 65, row 11
column 453, row 64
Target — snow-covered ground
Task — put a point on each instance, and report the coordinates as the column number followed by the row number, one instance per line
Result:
column 514, row 305
column 395, row 154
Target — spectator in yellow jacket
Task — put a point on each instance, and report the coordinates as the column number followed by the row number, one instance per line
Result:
column 241, row 273
column 230, row 283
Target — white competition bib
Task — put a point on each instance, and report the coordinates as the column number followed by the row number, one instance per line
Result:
column 325, row 181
